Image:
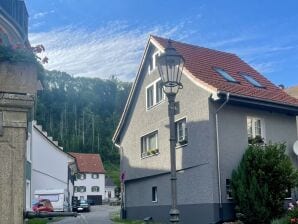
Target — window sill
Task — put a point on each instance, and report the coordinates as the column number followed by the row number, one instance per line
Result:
column 181, row 146
column 155, row 105
column 147, row 156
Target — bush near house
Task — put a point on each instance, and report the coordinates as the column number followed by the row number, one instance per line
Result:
column 260, row 182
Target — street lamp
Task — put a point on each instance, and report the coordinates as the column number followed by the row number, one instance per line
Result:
column 170, row 65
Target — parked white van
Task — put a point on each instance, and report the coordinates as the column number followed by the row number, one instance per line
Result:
column 58, row 197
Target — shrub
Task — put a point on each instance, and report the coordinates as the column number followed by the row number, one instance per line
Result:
column 259, row 183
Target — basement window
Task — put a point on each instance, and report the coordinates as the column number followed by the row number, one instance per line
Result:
column 224, row 74
column 154, row 194
column 229, row 189
column 251, row 80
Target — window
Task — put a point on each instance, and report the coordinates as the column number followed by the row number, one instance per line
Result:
column 229, row 189
column 288, row 193
column 81, row 176
column 224, row 74
column 181, row 131
column 154, row 94
column 150, row 96
column 76, row 189
column 154, row 194
column 95, row 176
column 95, row 189
column 82, row 189
column 152, row 62
column 255, row 130
column 149, row 144
column 251, row 80
column 159, row 92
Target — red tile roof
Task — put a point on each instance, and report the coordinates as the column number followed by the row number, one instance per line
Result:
column 200, row 61
column 89, row 163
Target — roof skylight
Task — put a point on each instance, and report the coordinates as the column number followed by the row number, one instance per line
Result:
column 251, row 80
column 225, row 75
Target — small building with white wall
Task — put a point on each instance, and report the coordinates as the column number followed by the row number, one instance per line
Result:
column 90, row 180
column 51, row 167
column 110, row 188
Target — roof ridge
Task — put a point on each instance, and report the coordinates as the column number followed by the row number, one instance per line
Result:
column 192, row 45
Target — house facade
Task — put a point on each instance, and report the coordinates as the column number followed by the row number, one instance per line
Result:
column 51, row 167
column 110, row 188
column 90, row 180
column 223, row 106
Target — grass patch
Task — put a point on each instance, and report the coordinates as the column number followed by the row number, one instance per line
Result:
column 115, row 217
column 43, row 221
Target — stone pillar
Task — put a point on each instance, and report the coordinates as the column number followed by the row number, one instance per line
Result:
column 14, row 110
column 18, row 82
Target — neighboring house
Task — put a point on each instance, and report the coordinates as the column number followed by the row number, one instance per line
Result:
column 51, row 167
column 90, row 180
column 224, row 105
column 110, row 188
column 293, row 91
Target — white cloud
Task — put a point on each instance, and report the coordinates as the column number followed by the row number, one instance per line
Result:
column 42, row 14
column 114, row 49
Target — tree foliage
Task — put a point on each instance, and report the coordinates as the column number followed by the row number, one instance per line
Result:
column 82, row 113
column 260, row 182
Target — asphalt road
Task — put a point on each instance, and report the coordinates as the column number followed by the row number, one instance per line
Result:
column 97, row 215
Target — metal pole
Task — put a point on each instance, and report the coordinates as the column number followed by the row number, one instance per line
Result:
column 174, row 212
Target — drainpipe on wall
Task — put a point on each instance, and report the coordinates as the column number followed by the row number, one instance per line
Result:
column 218, row 156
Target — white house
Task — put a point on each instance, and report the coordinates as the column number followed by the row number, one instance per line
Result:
column 110, row 188
column 50, row 167
column 90, row 181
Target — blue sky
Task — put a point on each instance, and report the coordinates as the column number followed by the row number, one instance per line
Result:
column 100, row 38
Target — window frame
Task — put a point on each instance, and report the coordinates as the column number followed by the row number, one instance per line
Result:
column 154, row 85
column 229, row 189
column 152, row 62
column 147, row 152
column 97, row 176
column 95, row 187
column 154, row 196
column 183, row 142
column 226, row 76
column 82, row 189
column 251, row 80
column 254, row 119
column 80, row 175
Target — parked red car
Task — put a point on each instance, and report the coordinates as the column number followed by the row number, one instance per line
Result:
column 43, row 205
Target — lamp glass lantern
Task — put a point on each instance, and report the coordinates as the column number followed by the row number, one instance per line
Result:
column 170, row 66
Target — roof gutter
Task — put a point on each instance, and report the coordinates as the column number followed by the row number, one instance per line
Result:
column 218, row 155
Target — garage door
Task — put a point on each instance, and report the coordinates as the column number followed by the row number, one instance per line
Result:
column 96, row 199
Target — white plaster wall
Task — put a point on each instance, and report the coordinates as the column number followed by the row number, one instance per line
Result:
column 88, row 183
column 49, row 164
column 112, row 190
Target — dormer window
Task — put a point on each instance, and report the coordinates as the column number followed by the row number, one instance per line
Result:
column 251, row 80
column 225, row 74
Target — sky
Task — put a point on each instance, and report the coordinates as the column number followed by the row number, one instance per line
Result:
column 104, row 38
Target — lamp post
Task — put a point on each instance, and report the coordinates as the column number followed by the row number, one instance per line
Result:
column 170, row 65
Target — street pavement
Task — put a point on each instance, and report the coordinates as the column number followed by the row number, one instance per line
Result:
column 97, row 215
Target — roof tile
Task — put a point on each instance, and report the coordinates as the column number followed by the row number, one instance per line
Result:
column 89, row 163
column 200, row 61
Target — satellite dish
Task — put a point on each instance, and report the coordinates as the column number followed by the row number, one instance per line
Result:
column 295, row 148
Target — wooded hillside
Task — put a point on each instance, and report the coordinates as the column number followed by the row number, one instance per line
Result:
column 82, row 113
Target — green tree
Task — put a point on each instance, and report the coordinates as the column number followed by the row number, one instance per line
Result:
column 260, row 182
column 83, row 113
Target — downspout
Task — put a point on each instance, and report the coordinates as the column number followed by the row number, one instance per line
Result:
column 218, row 155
